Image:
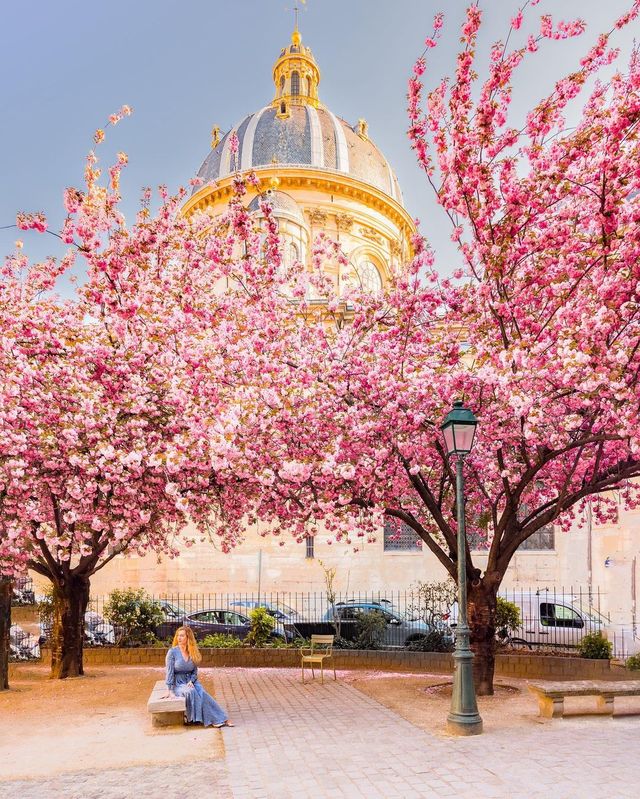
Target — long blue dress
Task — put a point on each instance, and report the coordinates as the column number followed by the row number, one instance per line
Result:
column 200, row 705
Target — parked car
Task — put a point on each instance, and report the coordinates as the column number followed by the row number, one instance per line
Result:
column 97, row 631
column 23, row 645
column 381, row 604
column 212, row 621
column 399, row 631
column 22, row 592
column 559, row 620
column 172, row 612
column 278, row 610
column 285, row 616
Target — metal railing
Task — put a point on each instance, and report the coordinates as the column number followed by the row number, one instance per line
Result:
column 22, row 592
column 550, row 619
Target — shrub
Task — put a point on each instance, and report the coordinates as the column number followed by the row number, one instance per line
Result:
column 429, row 599
column 134, row 616
column 435, row 641
column 220, row 641
column 633, row 663
column 507, row 615
column 595, row 646
column 370, row 630
column 262, row 625
column 343, row 643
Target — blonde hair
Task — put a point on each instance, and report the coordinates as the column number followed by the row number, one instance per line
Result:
column 192, row 646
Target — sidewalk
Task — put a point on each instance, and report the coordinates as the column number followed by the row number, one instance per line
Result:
column 333, row 742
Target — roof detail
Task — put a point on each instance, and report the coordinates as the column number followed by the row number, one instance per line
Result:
column 296, row 130
column 309, row 137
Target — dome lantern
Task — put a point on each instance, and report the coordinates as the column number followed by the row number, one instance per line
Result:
column 296, row 77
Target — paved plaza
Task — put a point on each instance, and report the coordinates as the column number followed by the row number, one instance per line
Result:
column 332, row 741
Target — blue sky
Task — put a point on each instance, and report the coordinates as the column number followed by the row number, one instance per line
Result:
column 187, row 65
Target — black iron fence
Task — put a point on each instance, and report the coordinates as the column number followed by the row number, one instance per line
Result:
column 550, row 619
column 22, row 592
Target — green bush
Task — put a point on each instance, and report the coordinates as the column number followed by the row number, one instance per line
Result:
column 220, row 641
column 507, row 615
column 343, row 643
column 595, row 646
column 262, row 625
column 371, row 628
column 435, row 641
column 134, row 616
column 633, row 663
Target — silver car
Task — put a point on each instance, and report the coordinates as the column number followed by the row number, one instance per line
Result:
column 398, row 631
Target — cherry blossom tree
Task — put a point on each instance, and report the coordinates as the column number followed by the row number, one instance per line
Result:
column 537, row 331
column 116, row 420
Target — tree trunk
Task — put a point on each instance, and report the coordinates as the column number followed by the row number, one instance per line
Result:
column 5, row 624
column 70, row 600
column 482, row 605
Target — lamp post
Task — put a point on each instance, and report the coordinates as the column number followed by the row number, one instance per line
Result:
column 459, row 430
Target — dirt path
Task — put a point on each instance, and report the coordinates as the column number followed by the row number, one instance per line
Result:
column 425, row 700
column 51, row 727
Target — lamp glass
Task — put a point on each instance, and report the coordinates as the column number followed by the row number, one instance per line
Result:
column 463, row 435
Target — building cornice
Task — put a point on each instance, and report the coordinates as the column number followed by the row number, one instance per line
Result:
column 326, row 181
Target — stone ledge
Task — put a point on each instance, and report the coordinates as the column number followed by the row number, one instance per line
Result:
column 521, row 666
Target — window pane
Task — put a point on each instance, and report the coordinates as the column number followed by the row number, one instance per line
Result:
column 398, row 536
column 310, row 547
column 547, row 616
column 541, row 539
column 369, row 275
column 563, row 612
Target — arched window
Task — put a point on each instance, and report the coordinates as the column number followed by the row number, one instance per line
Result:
column 294, row 254
column 295, row 83
column 369, row 275
column 281, row 86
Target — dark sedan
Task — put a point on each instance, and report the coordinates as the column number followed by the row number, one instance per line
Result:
column 209, row 622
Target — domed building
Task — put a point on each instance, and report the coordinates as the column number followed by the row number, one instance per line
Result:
column 322, row 175
column 325, row 175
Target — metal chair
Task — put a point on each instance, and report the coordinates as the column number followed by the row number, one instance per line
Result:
column 321, row 649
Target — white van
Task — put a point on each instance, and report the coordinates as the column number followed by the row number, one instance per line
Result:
column 561, row 620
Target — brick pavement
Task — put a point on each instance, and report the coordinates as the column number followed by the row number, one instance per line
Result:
column 333, row 742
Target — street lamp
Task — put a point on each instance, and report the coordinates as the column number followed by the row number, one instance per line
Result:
column 459, row 430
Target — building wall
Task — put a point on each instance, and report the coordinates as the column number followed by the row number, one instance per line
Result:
column 275, row 565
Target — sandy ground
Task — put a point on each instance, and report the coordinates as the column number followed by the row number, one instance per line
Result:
column 55, row 726
column 425, row 700
column 52, row 727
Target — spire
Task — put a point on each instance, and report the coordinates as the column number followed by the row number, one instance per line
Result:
column 296, row 75
column 295, row 36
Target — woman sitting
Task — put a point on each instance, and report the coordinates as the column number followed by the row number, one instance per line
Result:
column 182, row 680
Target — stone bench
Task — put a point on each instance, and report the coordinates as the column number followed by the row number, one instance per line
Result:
column 165, row 711
column 551, row 695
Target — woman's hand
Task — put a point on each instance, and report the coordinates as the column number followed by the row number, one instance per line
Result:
column 170, row 695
